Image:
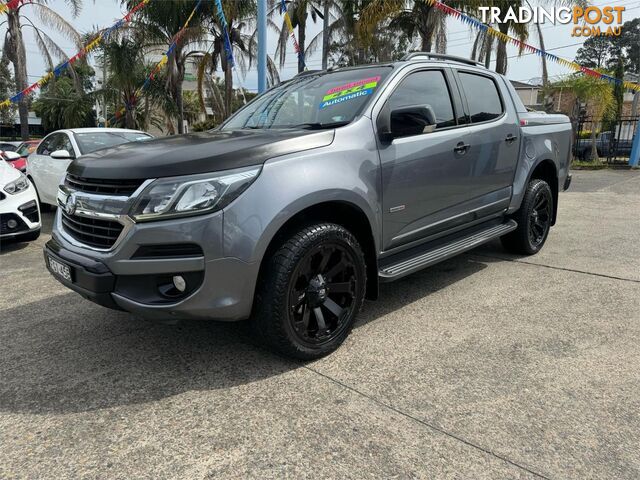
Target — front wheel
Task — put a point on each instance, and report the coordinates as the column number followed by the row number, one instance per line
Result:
column 534, row 220
column 310, row 292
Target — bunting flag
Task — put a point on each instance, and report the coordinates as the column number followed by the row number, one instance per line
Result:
column 292, row 34
column 503, row 37
column 228, row 48
column 131, row 102
column 92, row 45
column 10, row 5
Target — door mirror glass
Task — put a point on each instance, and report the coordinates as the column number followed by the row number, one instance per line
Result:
column 61, row 155
column 412, row 120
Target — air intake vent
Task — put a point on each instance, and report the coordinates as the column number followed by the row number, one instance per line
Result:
column 176, row 250
column 102, row 186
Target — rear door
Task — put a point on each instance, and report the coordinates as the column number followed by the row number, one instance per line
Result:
column 424, row 176
column 494, row 129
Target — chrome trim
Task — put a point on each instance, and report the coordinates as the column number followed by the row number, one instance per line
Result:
column 106, row 207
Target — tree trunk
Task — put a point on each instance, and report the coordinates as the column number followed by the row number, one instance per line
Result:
column 178, row 89
column 543, row 58
column 302, row 38
column 19, row 59
column 594, row 143
column 325, row 35
column 426, row 43
column 488, row 47
column 501, row 55
column 228, row 90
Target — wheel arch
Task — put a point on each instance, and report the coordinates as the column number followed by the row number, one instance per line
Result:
column 344, row 213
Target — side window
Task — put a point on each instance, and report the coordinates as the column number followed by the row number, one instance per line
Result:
column 45, row 146
column 482, row 96
column 426, row 88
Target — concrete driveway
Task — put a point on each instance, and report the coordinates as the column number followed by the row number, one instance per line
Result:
column 486, row 366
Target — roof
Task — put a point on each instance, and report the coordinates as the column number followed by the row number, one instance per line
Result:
column 101, row 130
column 518, row 84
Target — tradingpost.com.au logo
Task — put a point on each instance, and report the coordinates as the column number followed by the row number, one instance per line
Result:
column 587, row 22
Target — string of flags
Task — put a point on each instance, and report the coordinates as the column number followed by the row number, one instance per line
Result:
column 292, row 34
column 160, row 65
column 10, row 5
column 56, row 72
column 478, row 25
column 228, row 49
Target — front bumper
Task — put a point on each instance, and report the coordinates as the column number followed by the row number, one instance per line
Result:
column 219, row 287
column 23, row 209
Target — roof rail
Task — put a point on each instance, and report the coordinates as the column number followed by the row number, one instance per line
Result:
column 441, row 56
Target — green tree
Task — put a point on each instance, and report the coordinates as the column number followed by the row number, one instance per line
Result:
column 158, row 23
column 7, row 88
column 23, row 17
column 605, row 51
column 62, row 105
column 598, row 97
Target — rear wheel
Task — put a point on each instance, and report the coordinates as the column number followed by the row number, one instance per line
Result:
column 310, row 292
column 534, row 220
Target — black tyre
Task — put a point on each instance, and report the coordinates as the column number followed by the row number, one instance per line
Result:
column 310, row 292
column 534, row 220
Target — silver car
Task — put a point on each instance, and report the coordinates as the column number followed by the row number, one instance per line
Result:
column 299, row 205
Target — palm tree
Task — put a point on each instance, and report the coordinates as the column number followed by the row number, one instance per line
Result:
column 124, row 59
column 411, row 17
column 15, row 51
column 158, row 23
column 598, row 97
column 299, row 11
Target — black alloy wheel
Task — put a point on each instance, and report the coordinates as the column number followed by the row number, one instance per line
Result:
column 310, row 291
column 540, row 217
column 322, row 293
column 534, row 219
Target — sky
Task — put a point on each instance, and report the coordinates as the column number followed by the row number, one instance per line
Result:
column 558, row 39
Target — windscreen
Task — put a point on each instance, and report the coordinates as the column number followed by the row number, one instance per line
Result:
column 90, row 142
column 327, row 99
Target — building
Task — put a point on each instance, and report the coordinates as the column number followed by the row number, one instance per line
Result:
column 530, row 94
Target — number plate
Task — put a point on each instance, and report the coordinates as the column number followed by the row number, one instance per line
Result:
column 60, row 269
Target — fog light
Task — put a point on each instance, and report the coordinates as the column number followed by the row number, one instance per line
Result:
column 13, row 224
column 180, row 283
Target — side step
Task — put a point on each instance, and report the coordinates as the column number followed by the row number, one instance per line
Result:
column 429, row 255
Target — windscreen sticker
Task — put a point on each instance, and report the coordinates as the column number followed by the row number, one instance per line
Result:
column 351, row 90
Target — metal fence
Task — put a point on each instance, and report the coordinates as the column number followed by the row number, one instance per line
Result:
column 613, row 139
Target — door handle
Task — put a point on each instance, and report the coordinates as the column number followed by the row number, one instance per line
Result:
column 510, row 138
column 461, row 148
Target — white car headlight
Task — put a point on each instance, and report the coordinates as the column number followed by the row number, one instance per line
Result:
column 192, row 194
column 17, row 186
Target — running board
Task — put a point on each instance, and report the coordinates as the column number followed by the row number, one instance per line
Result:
column 433, row 255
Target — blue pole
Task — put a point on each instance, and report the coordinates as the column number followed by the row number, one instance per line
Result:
column 262, row 45
column 634, row 158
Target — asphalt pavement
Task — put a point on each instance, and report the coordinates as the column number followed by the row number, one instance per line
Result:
column 485, row 366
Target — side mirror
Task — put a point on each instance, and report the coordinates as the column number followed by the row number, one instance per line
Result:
column 413, row 120
column 61, row 155
column 11, row 156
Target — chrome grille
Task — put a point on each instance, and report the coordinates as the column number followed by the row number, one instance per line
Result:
column 94, row 232
column 102, row 186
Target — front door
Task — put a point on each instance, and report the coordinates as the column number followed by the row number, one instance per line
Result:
column 424, row 176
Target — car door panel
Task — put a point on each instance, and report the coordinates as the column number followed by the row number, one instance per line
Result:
column 423, row 175
column 494, row 133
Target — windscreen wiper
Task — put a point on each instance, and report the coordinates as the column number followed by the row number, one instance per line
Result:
column 320, row 126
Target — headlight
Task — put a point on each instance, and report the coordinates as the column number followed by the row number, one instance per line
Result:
column 17, row 186
column 192, row 194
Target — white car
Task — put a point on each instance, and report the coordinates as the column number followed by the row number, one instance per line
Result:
column 19, row 209
column 47, row 166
